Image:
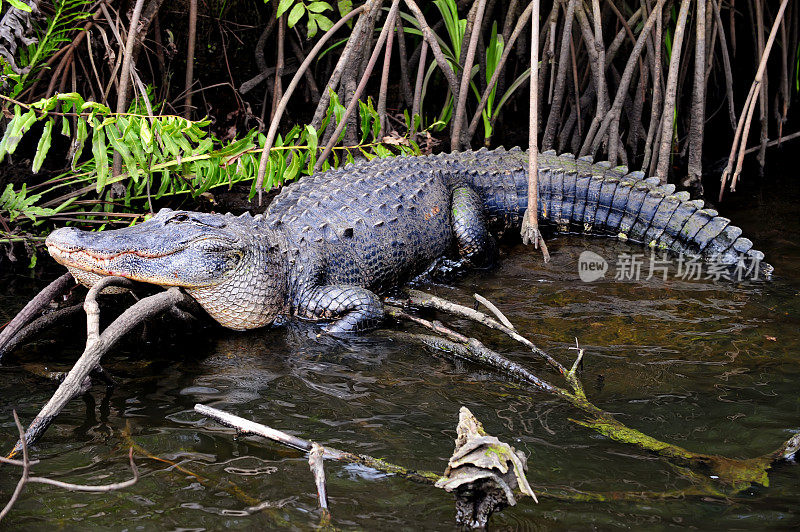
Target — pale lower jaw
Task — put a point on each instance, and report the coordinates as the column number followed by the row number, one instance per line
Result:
column 88, row 279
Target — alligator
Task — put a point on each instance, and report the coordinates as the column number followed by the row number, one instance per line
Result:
column 330, row 244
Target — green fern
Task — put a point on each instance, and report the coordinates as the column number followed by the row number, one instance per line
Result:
column 169, row 155
column 20, row 204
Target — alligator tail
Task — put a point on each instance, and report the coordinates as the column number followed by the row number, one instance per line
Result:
column 594, row 198
column 579, row 195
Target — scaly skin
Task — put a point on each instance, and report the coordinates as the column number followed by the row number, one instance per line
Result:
column 331, row 243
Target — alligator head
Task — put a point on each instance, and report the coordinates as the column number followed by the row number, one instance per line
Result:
column 230, row 265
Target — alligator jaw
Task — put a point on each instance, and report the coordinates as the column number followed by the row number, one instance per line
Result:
column 99, row 264
column 195, row 261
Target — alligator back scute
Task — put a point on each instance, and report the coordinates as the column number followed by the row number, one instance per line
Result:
column 386, row 195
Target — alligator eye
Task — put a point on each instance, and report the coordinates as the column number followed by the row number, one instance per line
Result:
column 180, row 217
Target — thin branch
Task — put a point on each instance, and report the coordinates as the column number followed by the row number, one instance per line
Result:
column 25, row 470
column 561, row 78
column 104, row 488
column 747, row 111
column 726, row 63
column 466, row 74
column 387, row 63
column 246, row 427
column 424, row 299
column 530, row 220
column 496, row 311
column 430, row 38
column 518, row 29
column 124, row 76
column 671, row 94
column 315, row 463
column 405, row 80
column 415, row 109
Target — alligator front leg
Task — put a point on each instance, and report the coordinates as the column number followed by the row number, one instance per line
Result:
column 352, row 308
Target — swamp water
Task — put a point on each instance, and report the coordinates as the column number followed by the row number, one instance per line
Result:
column 710, row 366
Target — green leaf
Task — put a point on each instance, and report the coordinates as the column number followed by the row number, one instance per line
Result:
column 65, row 129
column 12, row 126
column 20, row 127
column 43, row 147
column 165, row 182
column 312, row 140
column 19, row 5
column 72, row 98
column 132, row 141
column 100, row 156
column 121, row 148
column 76, row 147
column 147, row 136
column 345, row 6
column 324, row 22
column 312, row 25
column 295, row 14
column 294, row 167
column 319, row 7
column 283, row 6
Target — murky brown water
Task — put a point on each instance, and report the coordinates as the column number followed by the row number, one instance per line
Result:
column 693, row 363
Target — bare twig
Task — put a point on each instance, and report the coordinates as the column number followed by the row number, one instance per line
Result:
column 430, row 38
column 594, row 139
column 277, row 88
column 25, row 470
column 363, row 25
column 495, row 79
column 530, row 220
column 698, row 113
column 671, row 94
column 726, row 62
column 466, row 74
column 124, row 75
column 104, row 488
column 496, row 311
column 418, row 85
column 387, row 63
column 561, row 77
column 747, row 111
column 315, row 463
column 26, row 462
column 655, row 104
column 424, row 299
column 405, row 79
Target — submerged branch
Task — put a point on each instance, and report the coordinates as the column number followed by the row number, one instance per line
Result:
column 245, row 426
column 26, row 464
column 735, row 474
column 75, row 381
